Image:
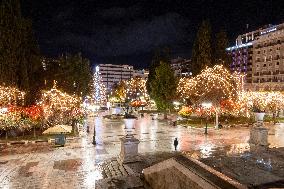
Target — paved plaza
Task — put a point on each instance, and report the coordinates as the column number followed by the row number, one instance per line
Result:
column 80, row 164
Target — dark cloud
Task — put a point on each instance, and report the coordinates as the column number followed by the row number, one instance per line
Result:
column 133, row 38
column 119, row 31
column 116, row 13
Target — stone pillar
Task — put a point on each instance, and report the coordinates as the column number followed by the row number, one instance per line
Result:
column 259, row 136
column 129, row 150
column 129, row 144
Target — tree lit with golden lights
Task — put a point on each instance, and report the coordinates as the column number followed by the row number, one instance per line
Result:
column 59, row 107
column 212, row 84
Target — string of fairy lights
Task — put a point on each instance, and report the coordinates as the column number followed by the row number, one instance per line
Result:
column 11, row 95
column 137, row 87
column 215, row 81
column 218, row 83
column 98, row 90
column 13, row 114
column 56, row 100
column 134, row 90
column 265, row 101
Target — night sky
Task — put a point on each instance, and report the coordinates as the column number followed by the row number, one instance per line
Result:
column 128, row 32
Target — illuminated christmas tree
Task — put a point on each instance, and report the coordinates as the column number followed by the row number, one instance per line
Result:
column 99, row 89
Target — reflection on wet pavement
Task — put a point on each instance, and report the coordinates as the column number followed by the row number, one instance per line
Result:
column 82, row 164
column 247, row 164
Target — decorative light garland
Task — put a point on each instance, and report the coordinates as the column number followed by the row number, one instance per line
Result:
column 218, row 84
column 11, row 95
column 210, row 83
column 136, row 89
column 98, row 90
column 55, row 101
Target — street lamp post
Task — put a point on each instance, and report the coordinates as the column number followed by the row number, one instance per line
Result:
column 94, row 136
column 207, row 106
column 206, row 132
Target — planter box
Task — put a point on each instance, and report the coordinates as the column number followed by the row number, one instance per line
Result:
column 39, row 141
column 155, row 116
column 129, row 123
column 18, row 142
column 259, row 116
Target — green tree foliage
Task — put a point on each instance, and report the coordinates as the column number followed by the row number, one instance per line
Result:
column 72, row 73
column 10, row 24
column 202, row 52
column 20, row 63
column 220, row 54
column 160, row 55
column 164, row 86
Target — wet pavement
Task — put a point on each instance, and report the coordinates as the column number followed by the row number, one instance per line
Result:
column 80, row 164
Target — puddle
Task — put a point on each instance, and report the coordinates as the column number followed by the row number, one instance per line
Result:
column 240, row 162
column 68, row 165
column 25, row 170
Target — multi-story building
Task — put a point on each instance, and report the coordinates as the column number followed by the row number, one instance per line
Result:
column 260, row 54
column 181, row 67
column 112, row 73
column 242, row 59
column 141, row 73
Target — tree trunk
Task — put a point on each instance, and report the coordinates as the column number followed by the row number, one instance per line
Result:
column 165, row 115
column 217, row 120
column 274, row 115
column 34, row 132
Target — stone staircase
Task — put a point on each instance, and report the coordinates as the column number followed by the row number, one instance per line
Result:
column 112, row 168
column 120, row 176
column 181, row 172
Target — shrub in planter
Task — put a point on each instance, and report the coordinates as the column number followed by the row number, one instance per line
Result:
column 257, row 107
column 185, row 111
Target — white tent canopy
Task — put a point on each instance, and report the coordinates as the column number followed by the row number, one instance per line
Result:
column 57, row 129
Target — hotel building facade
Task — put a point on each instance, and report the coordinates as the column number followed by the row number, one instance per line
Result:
column 181, row 67
column 260, row 55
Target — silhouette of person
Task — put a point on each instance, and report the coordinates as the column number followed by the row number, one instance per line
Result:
column 176, row 143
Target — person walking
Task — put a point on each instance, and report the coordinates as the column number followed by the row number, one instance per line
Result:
column 176, row 143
